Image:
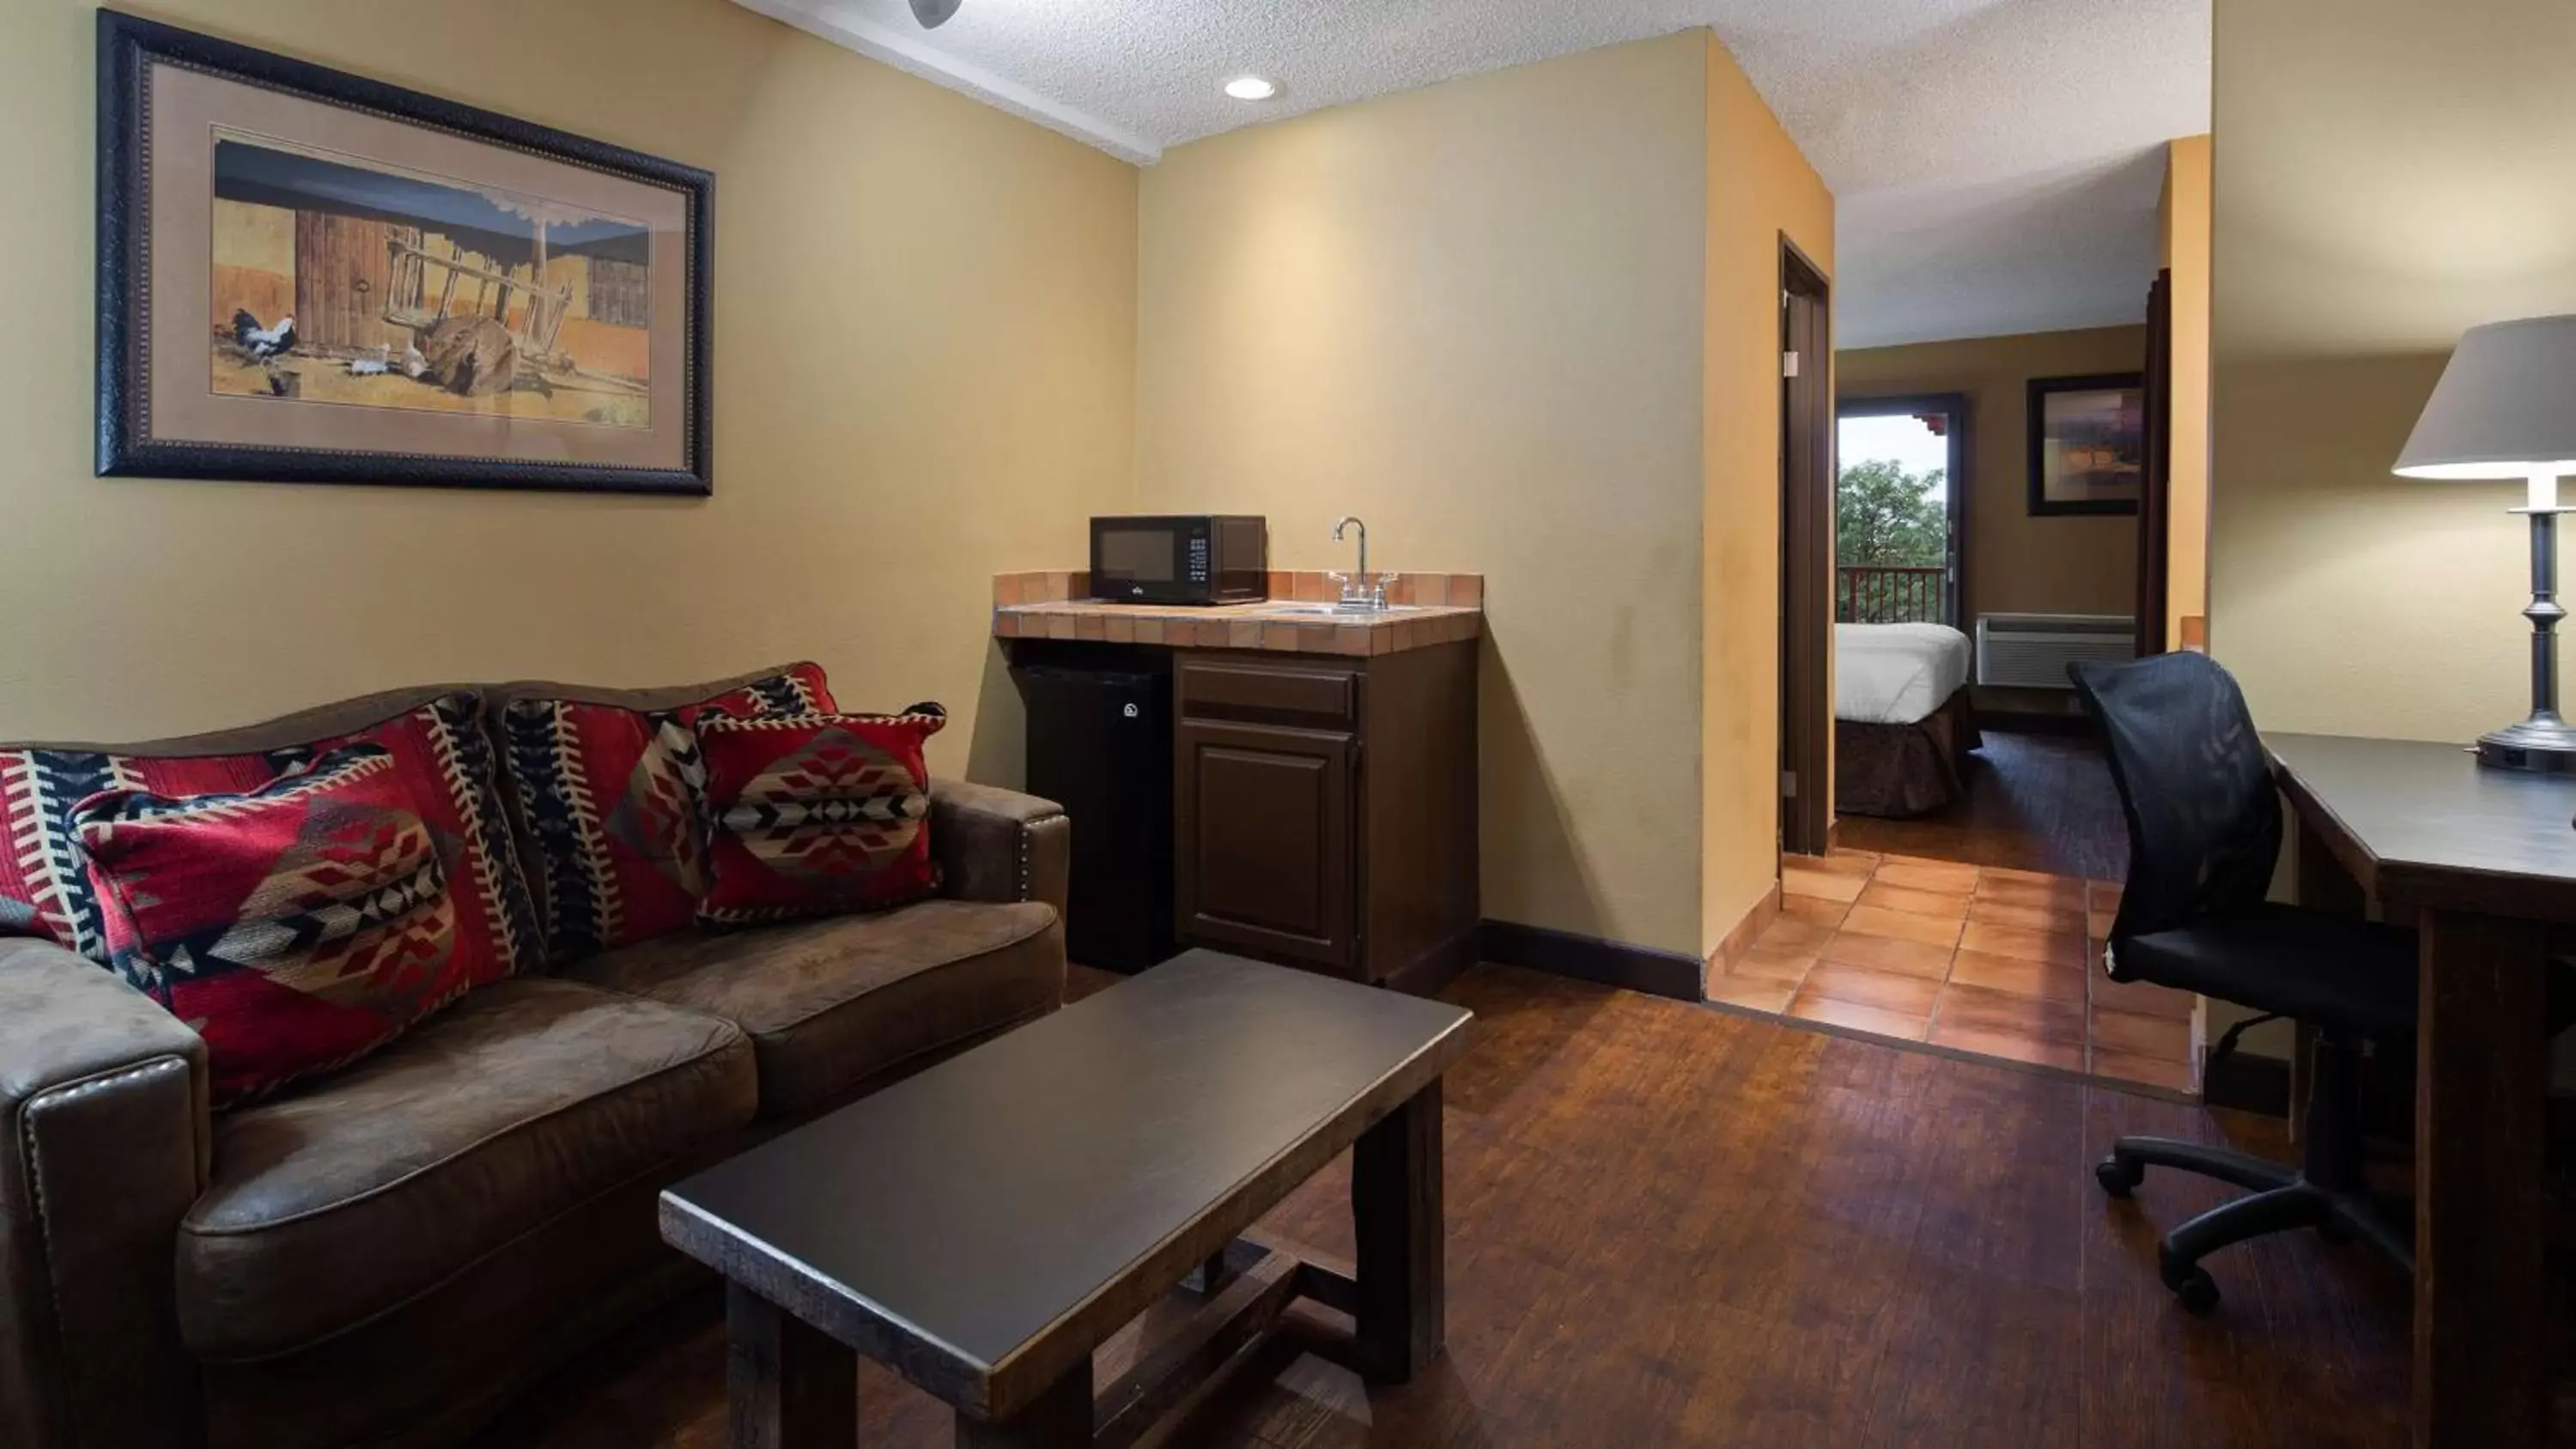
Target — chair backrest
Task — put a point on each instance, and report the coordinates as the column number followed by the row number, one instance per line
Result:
column 2195, row 784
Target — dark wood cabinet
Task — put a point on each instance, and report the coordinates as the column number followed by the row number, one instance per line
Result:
column 1266, row 858
column 1324, row 809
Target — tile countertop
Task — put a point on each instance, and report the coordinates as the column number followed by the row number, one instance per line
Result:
column 1441, row 609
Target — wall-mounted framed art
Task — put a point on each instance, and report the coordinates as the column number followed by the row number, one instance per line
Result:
column 308, row 276
column 2088, row 443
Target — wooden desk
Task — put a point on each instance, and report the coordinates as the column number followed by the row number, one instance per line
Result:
column 2483, row 861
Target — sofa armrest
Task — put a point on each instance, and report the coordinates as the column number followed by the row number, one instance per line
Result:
column 999, row 845
column 103, row 1097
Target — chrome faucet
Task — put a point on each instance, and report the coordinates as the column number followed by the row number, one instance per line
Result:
column 1359, row 594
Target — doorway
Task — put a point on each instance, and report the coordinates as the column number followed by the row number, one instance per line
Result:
column 1806, row 560
column 1900, row 509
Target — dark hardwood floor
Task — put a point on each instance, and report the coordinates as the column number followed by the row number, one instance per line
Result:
column 2040, row 802
column 1670, row 1225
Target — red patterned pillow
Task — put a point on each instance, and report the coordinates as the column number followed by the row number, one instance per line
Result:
column 295, row 927
column 817, row 814
column 614, row 800
column 440, row 754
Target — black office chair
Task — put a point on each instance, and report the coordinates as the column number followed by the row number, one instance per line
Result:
column 2204, row 831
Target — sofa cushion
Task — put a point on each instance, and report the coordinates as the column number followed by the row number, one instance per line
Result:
column 296, row 927
column 348, row 1198
column 440, row 751
column 609, row 791
column 817, row 814
column 830, row 1003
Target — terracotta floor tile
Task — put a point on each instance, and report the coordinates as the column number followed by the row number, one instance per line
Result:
column 1914, row 873
column 2144, row 998
column 2127, row 1067
column 1854, row 862
column 2145, row 1036
column 1913, row 958
column 1791, row 932
column 2102, row 895
column 2031, row 877
column 2059, row 920
column 1869, row 986
column 1772, row 996
column 1779, row 965
column 2097, row 924
column 2054, row 892
column 2048, row 980
column 1898, row 1024
column 1975, row 1008
column 1806, row 880
column 1814, row 908
column 2025, row 943
column 2062, row 1055
column 1902, row 925
column 1939, row 904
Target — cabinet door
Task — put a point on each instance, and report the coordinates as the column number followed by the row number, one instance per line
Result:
column 1265, row 841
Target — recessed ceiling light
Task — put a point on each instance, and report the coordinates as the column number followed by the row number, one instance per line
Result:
column 1251, row 88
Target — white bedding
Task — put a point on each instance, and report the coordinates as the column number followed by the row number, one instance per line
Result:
column 1896, row 673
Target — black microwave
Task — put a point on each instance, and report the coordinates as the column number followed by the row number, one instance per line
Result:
column 1185, row 558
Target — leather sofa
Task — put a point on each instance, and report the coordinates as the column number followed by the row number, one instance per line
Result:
column 384, row 1255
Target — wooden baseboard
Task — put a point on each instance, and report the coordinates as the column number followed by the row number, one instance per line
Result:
column 1431, row 972
column 1672, row 974
column 2248, row 1082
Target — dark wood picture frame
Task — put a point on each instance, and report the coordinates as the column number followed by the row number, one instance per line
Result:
column 128, row 46
column 2040, row 390
column 1954, row 406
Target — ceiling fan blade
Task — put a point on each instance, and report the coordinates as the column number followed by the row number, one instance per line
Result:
column 933, row 13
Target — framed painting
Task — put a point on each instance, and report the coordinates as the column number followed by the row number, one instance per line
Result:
column 2088, row 443
column 308, row 276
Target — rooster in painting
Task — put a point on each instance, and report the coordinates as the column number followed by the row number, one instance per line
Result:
column 262, row 343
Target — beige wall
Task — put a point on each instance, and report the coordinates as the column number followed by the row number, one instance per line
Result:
column 1471, row 315
column 2183, row 230
column 924, row 374
column 1760, row 189
column 2017, row 563
column 2389, row 174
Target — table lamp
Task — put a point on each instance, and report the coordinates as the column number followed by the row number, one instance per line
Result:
column 2506, row 408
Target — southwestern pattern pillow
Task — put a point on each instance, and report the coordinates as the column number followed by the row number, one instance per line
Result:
column 614, row 801
column 295, row 927
column 817, row 814
column 440, row 755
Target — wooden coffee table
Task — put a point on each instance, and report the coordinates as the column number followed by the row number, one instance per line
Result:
column 982, row 1227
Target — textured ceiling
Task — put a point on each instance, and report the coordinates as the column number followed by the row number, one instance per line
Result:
column 1991, row 159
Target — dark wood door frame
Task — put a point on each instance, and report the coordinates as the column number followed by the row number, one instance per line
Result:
column 1806, row 554
column 1954, row 406
column 2155, row 493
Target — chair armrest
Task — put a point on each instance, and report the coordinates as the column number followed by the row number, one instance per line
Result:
column 103, row 1098
column 999, row 845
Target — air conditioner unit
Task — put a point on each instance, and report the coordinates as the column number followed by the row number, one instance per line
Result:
column 2031, row 651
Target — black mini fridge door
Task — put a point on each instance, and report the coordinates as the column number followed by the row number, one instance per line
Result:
column 1100, row 745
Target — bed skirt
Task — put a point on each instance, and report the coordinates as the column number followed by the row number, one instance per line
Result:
column 1897, row 770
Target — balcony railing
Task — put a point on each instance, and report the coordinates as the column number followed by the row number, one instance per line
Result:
column 1889, row 594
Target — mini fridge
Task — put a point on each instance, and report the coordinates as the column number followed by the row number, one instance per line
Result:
column 1100, row 744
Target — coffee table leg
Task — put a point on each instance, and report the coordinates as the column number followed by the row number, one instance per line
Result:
column 1395, row 1207
column 1060, row 1419
column 787, row 1385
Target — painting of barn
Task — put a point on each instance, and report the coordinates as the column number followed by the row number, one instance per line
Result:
column 341, row 280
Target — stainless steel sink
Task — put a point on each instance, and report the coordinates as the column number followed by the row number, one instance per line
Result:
column 1336, row 611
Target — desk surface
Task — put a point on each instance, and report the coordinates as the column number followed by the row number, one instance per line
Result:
column 2423, row 824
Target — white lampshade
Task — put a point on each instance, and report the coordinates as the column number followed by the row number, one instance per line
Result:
column 2505, row 407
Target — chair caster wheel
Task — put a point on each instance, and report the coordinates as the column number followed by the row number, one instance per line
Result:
column 2119, row 1176
column 2192, row 1286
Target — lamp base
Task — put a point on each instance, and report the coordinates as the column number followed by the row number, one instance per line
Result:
column 2543, row 744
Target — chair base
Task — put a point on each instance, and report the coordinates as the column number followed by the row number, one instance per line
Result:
column 2327, row 1192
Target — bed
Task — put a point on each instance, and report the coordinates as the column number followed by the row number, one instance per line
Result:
column 1902, row 725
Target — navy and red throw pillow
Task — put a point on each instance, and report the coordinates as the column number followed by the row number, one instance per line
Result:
column 817, row 814
column 440, row 754
column 615, row 802
column 295, row 927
